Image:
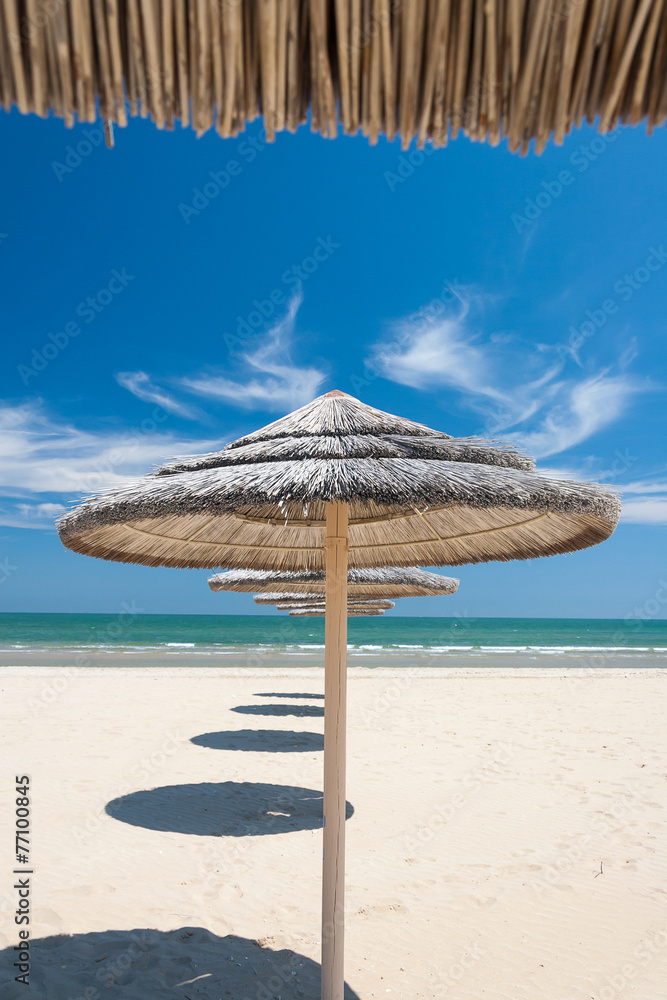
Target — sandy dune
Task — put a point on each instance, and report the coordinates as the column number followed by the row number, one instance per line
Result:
column 507, row 833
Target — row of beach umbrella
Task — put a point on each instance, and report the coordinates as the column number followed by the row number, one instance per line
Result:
column 333, row 490
column 367, row 590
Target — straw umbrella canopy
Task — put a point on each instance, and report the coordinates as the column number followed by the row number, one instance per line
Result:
column 383, row 581
column 333, row 485
column 315, row 612
column 425, row 70
column 352, row 606
column 285, row 602
column 302, row 603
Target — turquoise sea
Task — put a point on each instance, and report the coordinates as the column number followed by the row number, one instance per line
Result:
column 203, row 636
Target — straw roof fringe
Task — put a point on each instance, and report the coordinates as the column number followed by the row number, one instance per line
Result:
column 360, row 609
column 351, row 613
column 386, row 581
column 281, row 600
column 283, row 488
column 402, row 511
column 522, row 70
column 320, row 605
column 337, row 414
column 338, row 426
column 279, row 597
column 356, row 446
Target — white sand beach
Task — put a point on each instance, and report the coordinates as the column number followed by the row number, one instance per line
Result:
column 508, row 837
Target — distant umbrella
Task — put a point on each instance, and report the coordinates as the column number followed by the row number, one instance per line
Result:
column 299, row 601
column 334, row 484
column 318, row 606
column 286, row 601
column 386, row 581
column 313, row 611
column 314, row 605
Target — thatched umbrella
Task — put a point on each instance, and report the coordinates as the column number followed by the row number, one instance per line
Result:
column 289, row 602
column 358, row 608
column 384, row 581
column 315, row 612
column 426, row 70
column 334, row 484
column 285, row 600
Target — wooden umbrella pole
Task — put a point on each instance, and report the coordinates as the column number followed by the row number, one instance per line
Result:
column 335, row 690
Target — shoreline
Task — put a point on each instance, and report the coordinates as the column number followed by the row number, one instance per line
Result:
column 272, row 660
column 363, row 671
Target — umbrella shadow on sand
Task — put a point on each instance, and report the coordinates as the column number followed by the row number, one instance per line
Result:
column 223, row 809
column 303, row 711
column 280, row 694
column 261, row 741
column 152, row 965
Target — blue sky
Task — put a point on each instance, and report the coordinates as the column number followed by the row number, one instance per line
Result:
column 173, row 293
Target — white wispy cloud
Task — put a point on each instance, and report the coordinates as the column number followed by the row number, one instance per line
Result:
column 266, row 378
column 429, row 352
column 648, row 500
column 141, row 386
column 30, row 515
column 507, row 384
column 646, row 486
column 432, row 353
column 273, row 382
column 583, row 409
column 42, row 454
column 645, row 510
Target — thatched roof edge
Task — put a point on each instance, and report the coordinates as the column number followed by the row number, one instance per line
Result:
column 444, row 448
column 265, row 581
column 383, row 481
column 520, row 71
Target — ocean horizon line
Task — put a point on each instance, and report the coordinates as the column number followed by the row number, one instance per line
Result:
column 390, row 614
column 132, row 634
